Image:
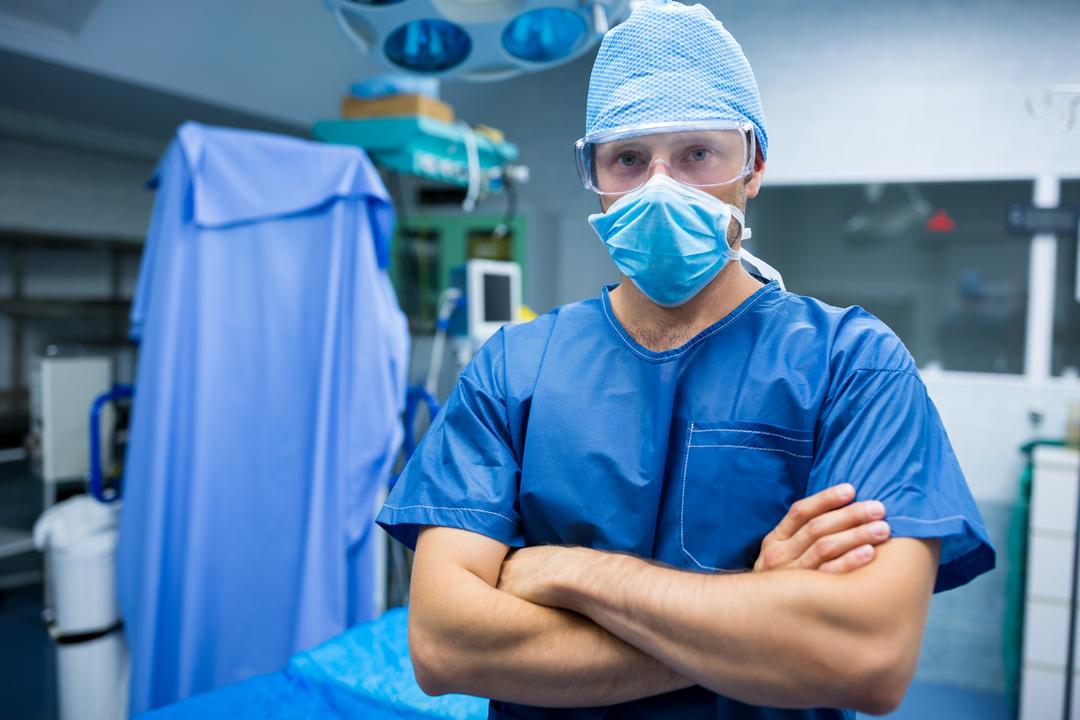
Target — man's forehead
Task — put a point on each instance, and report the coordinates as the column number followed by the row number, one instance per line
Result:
column 689, row 137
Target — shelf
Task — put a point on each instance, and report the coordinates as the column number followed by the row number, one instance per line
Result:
column 15, row 542
column 64, row 308
column 38, row 240
column 421, row 146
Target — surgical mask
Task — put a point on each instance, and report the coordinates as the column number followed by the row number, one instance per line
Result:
column 670, row 239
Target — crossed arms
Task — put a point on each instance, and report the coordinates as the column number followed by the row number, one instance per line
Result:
column 821, row 622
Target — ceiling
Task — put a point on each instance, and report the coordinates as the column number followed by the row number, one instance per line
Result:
column 140, row 64
column 34, row 88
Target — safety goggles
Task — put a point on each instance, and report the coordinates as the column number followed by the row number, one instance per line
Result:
column 702, row 154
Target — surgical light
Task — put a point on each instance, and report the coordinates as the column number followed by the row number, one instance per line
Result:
column 475, row 39
column 427, row 46
column 544, row 35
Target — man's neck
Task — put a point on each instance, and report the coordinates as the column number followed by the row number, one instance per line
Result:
column 660, row 328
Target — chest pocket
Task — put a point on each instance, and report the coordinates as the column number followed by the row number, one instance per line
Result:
column 738, row 480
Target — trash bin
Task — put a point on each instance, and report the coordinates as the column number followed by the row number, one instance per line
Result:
column 78, row 537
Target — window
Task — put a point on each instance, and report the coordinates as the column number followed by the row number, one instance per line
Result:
column 931, row 260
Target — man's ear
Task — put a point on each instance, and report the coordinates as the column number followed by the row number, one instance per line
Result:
column 753, row 181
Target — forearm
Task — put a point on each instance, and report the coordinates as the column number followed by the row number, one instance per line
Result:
column 471, row 638
column 762, row 643
column 784, row 639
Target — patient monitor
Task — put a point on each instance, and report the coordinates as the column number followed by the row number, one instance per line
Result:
column 492, row 298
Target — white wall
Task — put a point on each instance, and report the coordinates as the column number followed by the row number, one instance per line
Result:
column 911, row 90
column 93, row 186
column 853, row 91
column 63, row 189
column 988, row 418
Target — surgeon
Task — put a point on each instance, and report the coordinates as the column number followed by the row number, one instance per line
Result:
column 697, row 495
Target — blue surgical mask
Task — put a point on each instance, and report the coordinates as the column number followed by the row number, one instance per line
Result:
column 670, row 239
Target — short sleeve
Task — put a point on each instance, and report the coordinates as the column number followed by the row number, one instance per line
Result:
column 882, row 433
column 464, row 474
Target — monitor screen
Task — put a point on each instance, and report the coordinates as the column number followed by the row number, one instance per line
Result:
column 497, row 298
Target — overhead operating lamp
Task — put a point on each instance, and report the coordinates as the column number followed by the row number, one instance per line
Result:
column 480, row 40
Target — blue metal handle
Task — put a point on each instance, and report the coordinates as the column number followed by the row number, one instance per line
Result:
column 97, row 486
column 414, row 395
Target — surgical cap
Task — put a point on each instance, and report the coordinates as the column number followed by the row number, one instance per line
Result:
column 670, row 62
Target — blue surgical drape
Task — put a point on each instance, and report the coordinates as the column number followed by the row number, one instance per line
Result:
column 270, row 380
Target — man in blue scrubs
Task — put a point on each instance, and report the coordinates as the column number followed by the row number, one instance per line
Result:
column 670, row 500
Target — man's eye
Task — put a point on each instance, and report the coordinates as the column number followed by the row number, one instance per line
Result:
column 699, row 154
column 627, row 159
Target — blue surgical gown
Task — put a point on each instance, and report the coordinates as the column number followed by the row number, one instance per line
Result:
column 266, row 416
column 567, row 431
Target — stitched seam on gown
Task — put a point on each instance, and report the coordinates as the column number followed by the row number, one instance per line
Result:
column 830, row 398
column 753, row 432
column 687, row 348
column 751, row 447
column 682, row 510
column 939, row 520
column 440, row 507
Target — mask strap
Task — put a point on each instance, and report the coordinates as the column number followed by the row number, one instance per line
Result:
column 738, row 215
column 764, row 269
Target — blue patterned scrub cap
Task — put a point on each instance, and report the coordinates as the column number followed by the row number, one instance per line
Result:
column 671, row 63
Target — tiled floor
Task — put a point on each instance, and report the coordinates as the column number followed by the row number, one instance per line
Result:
column 27, row 658
column 27, row 661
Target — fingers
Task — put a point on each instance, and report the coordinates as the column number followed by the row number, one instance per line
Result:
column 834, row 522
column 851, row 560
column 808, row 508
column 836, row 545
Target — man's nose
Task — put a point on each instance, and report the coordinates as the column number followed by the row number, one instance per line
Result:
column 659, row 166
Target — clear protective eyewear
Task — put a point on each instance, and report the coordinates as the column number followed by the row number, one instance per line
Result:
column 700, row 154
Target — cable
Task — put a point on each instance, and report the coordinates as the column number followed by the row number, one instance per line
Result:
column 473, row 156
column 503, row 228
column 396, row 196
column 448, row 302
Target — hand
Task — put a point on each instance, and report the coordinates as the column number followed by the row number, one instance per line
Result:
column 824, row 532
column 533, row 573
